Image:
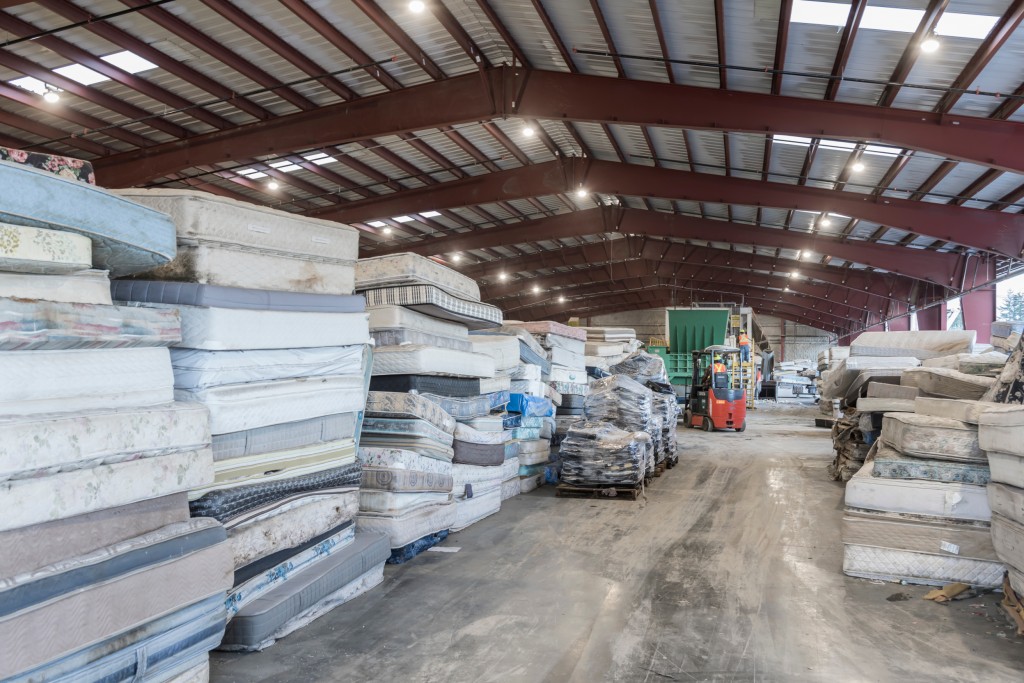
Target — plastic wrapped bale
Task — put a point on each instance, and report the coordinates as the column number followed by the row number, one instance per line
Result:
column 657, row 438
column 601, row 454
column 643, row 367
column 621, row 401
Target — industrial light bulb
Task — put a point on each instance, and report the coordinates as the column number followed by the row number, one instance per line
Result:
column 417, row 6
column 51, row 97
column 528, row 131
column 826, row 221
column 502, row 276
column 536, row 289
column 272, row 185
column 561, row 299
column 387, row 230
column 581, row 193
column 456, row 258
column 858, row 167
column 929, row 45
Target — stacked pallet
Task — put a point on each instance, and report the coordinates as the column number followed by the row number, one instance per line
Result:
column 102, row 572
column 420, row 317
column 276, row 348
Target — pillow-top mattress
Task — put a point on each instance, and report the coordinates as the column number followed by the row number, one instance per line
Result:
column 1007, row 501
column 284, row 436
column 1007, row 468
column 932, row 437
column 891, row 464
column 392, row 317
column 456, row 387
column 437, row 303
column 917, row 497
column 504, row 349
column 429, row 360
column 947, row 383
column 39, row 445
column 215, row 296
column 403, row 529
column 1000, row 429
column 542, row 327
column 412, row 269
column 471, row 407
column 389, row 404
column 395, row 503
column 469, row 511
column 51, row 326
column 238, row 407
column 83, row 287
column 195, row 370
column 285, row 463
column 126, row 237
column 24, row 249
column 402, row 336
column 37, row 382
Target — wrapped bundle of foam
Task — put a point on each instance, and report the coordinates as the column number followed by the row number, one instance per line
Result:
column 621, row 401
column 643, row 367
column 600, row 454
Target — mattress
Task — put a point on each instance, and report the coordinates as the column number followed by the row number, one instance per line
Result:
column 1006, row 468
column 573, row 401
column 195, row 370
column 510, row 469
column 470, row 407
column 420, row 444
column 564, row 347
column 51, row 326
column 429, row 360
column 77, row 492
column 390, row 317
column 44, row 632
column 526, row 372
column 309, row 594
column 399, row 336
column 194, row 671
column 575, row 375
column 486, row 423
column 479, row 454
column 529, row 405
column 917, row 497
column 266, row 478
column 602, row 349
column 393, row 404
column 65, row 167
column 403, row 529
column 469, row 511
column 607, row 333
column 457, row 387
column 239, row 407
column 70, row 381
column 169, row 646
column 284, row 436
column 504, row 349
column 468, row 434
column 918, row 344
column 395, row 503
column 969, row 540
column 412, row 269
column 290, row 525
column 887, row 564
column 530, row 387
column 550, row 327
column 83, row 287
column 1007, row 501
column 407, row 552
column 1001, row 427
column 403, row 480
column 965, row 411
column 30, row 548
column 511, row 449
column 405, row 428
column 884, row 405
column 479, row 477
column 437, row 303
column 535, row 457
column 285, row 463
column 947, row 383
column 126, row 237
column 263, row 582
column 570, row 388
column 24, row 249
column 891, row 464
column 1008, row 539
column 396, row 459
column 510, row 420
column 932, row 437
column 234, row 298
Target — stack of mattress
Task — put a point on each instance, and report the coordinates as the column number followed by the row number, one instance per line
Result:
column 538, row 464
column 276, row 348
column 607, row 346
column 917, row 511
column 1006, row 334
column 1001, row 436
column 564, row 349
column 421, row 314
column 828, row 361
column 103, row 575
column 858, row 428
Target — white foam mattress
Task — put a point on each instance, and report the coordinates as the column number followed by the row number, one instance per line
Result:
column 932, row 437
column 430, row 360
column 390, row 317
column 194, row 369
column 37, row 382
column 46, row 444
column 504, row 349
column 403, row 529
column 230, row 329
column 1001, row 428
column 412, row 269
column 40, row 251
column 917, row 496
column 36, row 500
column 83, row 287
column 237, row 407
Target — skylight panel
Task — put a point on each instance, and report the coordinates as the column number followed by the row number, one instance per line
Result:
column 430, row 214
column 129, row 61
column 792, row 140
column 956, row 25
column 81, row 74
column 837, row 144
column 891, row 19
column 251, row 173
column 822, row 13
column 31, row 84
column 284, row 166
column 402, row 219
column 324, row 160
column 883, row 150
column 377, row 224
column 314, row 156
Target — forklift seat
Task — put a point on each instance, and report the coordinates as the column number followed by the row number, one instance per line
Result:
column 720, row 380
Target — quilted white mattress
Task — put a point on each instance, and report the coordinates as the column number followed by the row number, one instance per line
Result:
column 83, row 287
column 412, row 269
column 481, row 478
column 917, row 496
column 194, row 370
column 284, row 464
column 1006, row 468
column 504, row 349
column 397, row 503
column 887, row 564
column 469, row 511
column 1001, row 428
column 510, row 469
column 466, row 433
column 438, row 303
column 511, row 488
column 76, row 492
column 399, row 459
column 563, row 374
column 936, row 537
column 430, row 360
column 37, row 382
column 230, row 329
column 393, row 404
column 403, row 529
column 45, row 252
column 47, row 444
column 237, row 407
column 399, row 317
column 541, row 327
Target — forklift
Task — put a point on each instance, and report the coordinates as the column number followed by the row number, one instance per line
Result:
column 717, row 399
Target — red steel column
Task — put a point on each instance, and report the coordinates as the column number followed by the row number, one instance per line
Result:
column 901, row 324
column 933, row 318
column 979, row 309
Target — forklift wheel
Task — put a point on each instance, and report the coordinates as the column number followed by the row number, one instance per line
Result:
column 742, row 427
column 707, row 424
column 688, row 419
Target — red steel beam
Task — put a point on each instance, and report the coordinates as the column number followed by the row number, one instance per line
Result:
column 929, row 21
column 936, row 267
column 48, row 132
column 781, row 42
column 508, row 91
column 845, row 47
column 985, row 230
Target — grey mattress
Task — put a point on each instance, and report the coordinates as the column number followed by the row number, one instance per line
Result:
column 226, row 504
column 248, row 571
column 459, row 387
column 283, row 437
column 215, row 296
column 400, row 336
column 479, row 454
column 892, row 464
column 154, row 649
column 259, row 620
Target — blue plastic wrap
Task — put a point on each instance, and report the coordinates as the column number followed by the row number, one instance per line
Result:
column 532, row 406
column 411, row 550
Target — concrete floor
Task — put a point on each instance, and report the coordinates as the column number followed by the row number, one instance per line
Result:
column 730, row 570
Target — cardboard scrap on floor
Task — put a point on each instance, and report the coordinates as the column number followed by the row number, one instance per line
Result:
column 947, row 592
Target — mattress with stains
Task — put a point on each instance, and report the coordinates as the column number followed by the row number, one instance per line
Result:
column 195, row 370
column 932, row 437
column 403, row 529
column 395, row 270
column 284, row 436
column 24, row 249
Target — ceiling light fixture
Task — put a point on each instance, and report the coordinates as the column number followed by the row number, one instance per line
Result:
column 825, row 221
column 456, row 258
column 561, row 299
column 51, row 96
column 528, row 131
column 386, row 230
column 858, row 167
column 581, row 193
column 929, row 45
column 272, row 185
column 417, row 6
column 502, row 276
column 536, row 289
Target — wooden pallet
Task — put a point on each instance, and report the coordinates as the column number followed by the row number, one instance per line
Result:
column 825, row 422
column 659, row 469
column 626, row 493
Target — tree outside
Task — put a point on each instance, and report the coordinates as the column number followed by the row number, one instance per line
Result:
column 1011, row 307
